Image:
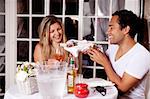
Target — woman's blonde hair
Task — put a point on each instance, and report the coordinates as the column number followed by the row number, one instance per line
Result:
column 44, row 31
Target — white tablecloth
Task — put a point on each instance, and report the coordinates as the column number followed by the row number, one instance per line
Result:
column 13, row 93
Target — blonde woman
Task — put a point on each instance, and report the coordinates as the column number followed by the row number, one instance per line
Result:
column 51, row 33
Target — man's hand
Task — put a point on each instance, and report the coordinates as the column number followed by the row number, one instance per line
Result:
column 96, row 56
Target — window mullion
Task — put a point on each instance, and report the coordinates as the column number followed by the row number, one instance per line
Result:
column 80, row 24
column 63, row 11
column 47, row 7
column 30, row 30
column 110, row 7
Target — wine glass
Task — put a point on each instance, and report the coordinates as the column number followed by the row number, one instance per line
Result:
column 79, row 79
column 60, row 54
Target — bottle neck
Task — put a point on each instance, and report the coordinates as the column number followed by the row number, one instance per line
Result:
column 72, row 62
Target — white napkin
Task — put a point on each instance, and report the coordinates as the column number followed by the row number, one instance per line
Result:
column 76, row 46
column 93, row 82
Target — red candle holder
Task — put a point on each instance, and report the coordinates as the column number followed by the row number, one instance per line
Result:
column 81, row 90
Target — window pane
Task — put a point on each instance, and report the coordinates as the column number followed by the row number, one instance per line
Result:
column 2, row 64
column 2, row 5
column 118, row 5
column 87, row 73
column 71, row 28
column 33, row 47
column 38, row 6
column 2, row 84
column 35, row 23
column 88, row 27
column 72, row 7
column 2, row 44
column 102, row 26
column 22, row 51
column 22, row 6
column 56, row 7
column 86, row 61
column 89, row 7
column 100, row 73
column 103, row 7
column 23, row 27
column 2, row 25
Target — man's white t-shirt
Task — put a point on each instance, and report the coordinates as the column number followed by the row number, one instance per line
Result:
column 135, row 62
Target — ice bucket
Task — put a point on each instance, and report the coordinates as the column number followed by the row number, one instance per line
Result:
column 51, row 79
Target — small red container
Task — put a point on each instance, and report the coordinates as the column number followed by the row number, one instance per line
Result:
column 81, row 90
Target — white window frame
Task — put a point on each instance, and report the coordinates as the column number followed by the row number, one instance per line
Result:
column 10, row 49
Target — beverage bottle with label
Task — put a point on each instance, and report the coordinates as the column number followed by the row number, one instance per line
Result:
column 71, row 76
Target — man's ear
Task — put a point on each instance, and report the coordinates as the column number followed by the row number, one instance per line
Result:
column 126, row 30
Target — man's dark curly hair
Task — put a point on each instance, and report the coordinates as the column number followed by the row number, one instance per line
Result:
column 128, row 18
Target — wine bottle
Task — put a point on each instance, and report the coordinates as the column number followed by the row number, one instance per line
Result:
column 71, row 76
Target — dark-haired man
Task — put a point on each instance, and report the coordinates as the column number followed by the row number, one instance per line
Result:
column 126, row 62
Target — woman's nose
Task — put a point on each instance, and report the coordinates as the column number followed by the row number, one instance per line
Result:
column 57, row 32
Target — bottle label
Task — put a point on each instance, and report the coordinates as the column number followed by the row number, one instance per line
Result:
column 70, row 81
